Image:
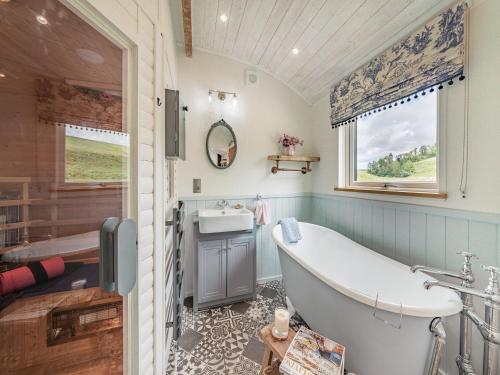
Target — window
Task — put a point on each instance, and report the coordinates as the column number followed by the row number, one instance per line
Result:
column 94, row 157
column 396, row 148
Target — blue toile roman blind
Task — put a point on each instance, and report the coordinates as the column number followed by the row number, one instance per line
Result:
column 430, row 56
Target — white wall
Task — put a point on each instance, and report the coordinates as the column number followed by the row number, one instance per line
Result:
column 261, row 115
column 484, row 151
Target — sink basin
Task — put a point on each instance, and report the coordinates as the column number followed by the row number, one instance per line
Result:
column 225, row 220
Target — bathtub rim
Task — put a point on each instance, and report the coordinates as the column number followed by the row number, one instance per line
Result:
column 64, row 246
column 448, row 309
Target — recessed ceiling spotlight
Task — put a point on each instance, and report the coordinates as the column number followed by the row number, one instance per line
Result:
column 42, row 20
column 4, row 1
column 2, row 75
column 223, row 17
column 295, row 51
column 90, row 56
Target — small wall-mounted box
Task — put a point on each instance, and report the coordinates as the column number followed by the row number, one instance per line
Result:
column 175, row 126
column 197, row 185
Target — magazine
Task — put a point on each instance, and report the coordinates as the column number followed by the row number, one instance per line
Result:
column 313, row 354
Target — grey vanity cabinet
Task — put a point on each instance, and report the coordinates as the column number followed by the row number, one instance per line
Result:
column 240, row 268
column 212, row 267
column 224, row 268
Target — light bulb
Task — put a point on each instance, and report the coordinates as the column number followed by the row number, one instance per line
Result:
column 223, row 17
column 235, row 100
column 42, row 20
column 210, row 96
column 295, row 51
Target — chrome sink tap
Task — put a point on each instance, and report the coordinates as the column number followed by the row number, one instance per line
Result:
column 463, row 360
column 222, row 204
column 489, row 327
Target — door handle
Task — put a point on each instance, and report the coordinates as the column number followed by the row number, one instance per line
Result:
column 106, row 260
column 118, row 263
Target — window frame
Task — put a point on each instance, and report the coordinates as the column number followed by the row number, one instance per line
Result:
column 347, row 147
column 62, row 184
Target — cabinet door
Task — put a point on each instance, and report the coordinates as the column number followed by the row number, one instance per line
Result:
column 211, row 270
column 240, row 266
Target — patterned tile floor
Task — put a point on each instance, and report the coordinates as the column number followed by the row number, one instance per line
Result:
column 225, row 340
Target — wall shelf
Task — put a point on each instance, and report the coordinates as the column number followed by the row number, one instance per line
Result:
column 301, row 159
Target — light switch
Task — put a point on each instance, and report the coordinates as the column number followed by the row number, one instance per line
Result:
column 196, row 185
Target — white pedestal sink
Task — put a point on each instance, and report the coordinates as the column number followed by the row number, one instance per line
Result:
column 225, row 220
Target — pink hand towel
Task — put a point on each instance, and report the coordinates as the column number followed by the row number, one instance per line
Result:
column 262, row 213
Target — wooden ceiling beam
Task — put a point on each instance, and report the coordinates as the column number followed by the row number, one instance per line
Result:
column 188, row 32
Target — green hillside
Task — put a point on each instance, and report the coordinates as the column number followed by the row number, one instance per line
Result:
column 425, row 170
column 94, row 161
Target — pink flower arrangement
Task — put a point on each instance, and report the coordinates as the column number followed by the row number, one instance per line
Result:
column 289, row 140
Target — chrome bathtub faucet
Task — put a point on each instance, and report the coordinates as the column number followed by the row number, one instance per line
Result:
column 489, row 327
column 463, row 360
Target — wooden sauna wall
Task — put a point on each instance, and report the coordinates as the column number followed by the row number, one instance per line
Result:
column 18, row 126
column 33, row 146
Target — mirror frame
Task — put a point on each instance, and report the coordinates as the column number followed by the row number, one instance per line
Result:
column 226, row 125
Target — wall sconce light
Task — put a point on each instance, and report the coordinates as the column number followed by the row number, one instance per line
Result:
column 222, row 95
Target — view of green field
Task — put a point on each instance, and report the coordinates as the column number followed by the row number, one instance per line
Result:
column 93, row 161
column 425, row 170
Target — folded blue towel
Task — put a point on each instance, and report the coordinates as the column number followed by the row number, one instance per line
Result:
column 290, row 230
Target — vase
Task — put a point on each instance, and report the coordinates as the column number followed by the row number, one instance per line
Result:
column 290, row 150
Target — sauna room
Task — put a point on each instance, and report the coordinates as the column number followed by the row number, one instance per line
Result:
column 249, row 187
column 63, row 163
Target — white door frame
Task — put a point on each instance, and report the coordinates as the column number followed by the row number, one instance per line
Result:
column 160, row 318
column 127, row 40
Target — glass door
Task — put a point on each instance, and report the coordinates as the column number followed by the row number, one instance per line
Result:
column 64, row 149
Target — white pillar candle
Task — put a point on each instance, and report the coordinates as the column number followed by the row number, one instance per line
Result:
column 281, row 320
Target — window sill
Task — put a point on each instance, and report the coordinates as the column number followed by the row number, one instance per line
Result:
column 402, row 192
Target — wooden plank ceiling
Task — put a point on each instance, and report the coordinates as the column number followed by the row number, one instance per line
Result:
column 62, row 47
column 332, row 37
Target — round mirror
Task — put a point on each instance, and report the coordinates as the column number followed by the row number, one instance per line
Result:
column 221, row 145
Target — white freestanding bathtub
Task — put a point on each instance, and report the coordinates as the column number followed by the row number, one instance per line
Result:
column 333, row 283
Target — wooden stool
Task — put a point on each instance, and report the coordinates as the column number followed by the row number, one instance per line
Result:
column 275, row 348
